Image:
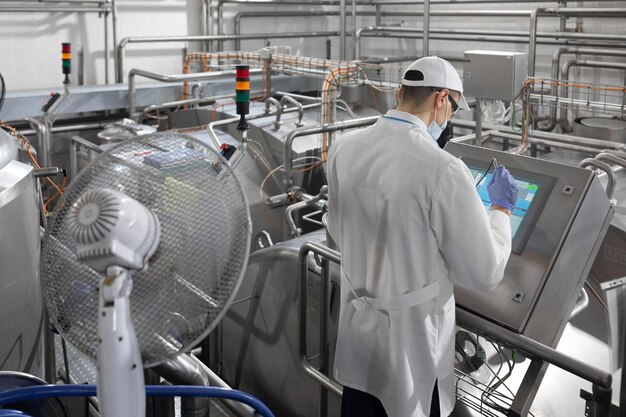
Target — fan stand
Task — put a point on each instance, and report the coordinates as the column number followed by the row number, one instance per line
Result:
column 121, row 387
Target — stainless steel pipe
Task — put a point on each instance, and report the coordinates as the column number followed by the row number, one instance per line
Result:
column 44, row 8
column 611, row 178
column 556, row 65
column 279, row 111
column 342, row 30
column 426, row 28
column 486, row 36
column 565, row 125
column 305, row 131
column 580, row 11
column 120, row 49
column 443, row 13
column 172, row 79
column 42, row 130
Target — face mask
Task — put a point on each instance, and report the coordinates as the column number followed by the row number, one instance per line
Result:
column 434, row 129
column 445, row 136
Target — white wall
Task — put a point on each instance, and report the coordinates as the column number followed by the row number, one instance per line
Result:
column 30, row 42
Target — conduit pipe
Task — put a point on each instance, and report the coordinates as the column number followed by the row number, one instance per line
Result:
column 165, row 39
column 565, row 125
column 556, row 65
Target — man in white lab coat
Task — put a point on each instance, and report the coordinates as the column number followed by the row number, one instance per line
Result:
column 409, row 224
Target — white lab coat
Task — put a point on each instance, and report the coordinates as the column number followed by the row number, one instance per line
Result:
column 409, row 225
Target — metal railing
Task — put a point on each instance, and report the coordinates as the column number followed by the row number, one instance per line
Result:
column 317, row 375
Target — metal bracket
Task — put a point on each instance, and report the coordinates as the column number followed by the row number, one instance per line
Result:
column 597, row 402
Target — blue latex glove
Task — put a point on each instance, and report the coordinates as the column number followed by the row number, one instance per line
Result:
column 502, row 188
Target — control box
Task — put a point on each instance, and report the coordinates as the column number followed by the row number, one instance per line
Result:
column 560, row 219
column 494, row 75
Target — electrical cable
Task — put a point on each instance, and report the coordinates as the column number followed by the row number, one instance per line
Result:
column 493, row 161
column 596, row 294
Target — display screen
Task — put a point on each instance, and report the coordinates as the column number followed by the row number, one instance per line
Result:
column 527, row 192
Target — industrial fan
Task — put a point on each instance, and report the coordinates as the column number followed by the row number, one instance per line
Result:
column 143, row 257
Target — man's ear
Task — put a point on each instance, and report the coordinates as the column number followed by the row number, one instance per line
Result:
column 399, row 94
column 442, row 97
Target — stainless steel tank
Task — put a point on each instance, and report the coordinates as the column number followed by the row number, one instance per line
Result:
column 259, row 344
column 8, row 149
column 21, row 305
column 604, row 128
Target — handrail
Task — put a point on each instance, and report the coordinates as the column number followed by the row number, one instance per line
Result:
column 305, row 131
column 332, row 256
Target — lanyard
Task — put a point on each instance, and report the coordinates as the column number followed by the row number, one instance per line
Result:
column 399, row 120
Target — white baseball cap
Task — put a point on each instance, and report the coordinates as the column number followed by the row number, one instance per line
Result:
column 432, row 71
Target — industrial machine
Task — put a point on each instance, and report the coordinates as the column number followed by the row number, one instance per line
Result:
column 561, row 217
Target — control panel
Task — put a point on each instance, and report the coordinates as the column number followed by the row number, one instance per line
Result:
column 560, row 219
